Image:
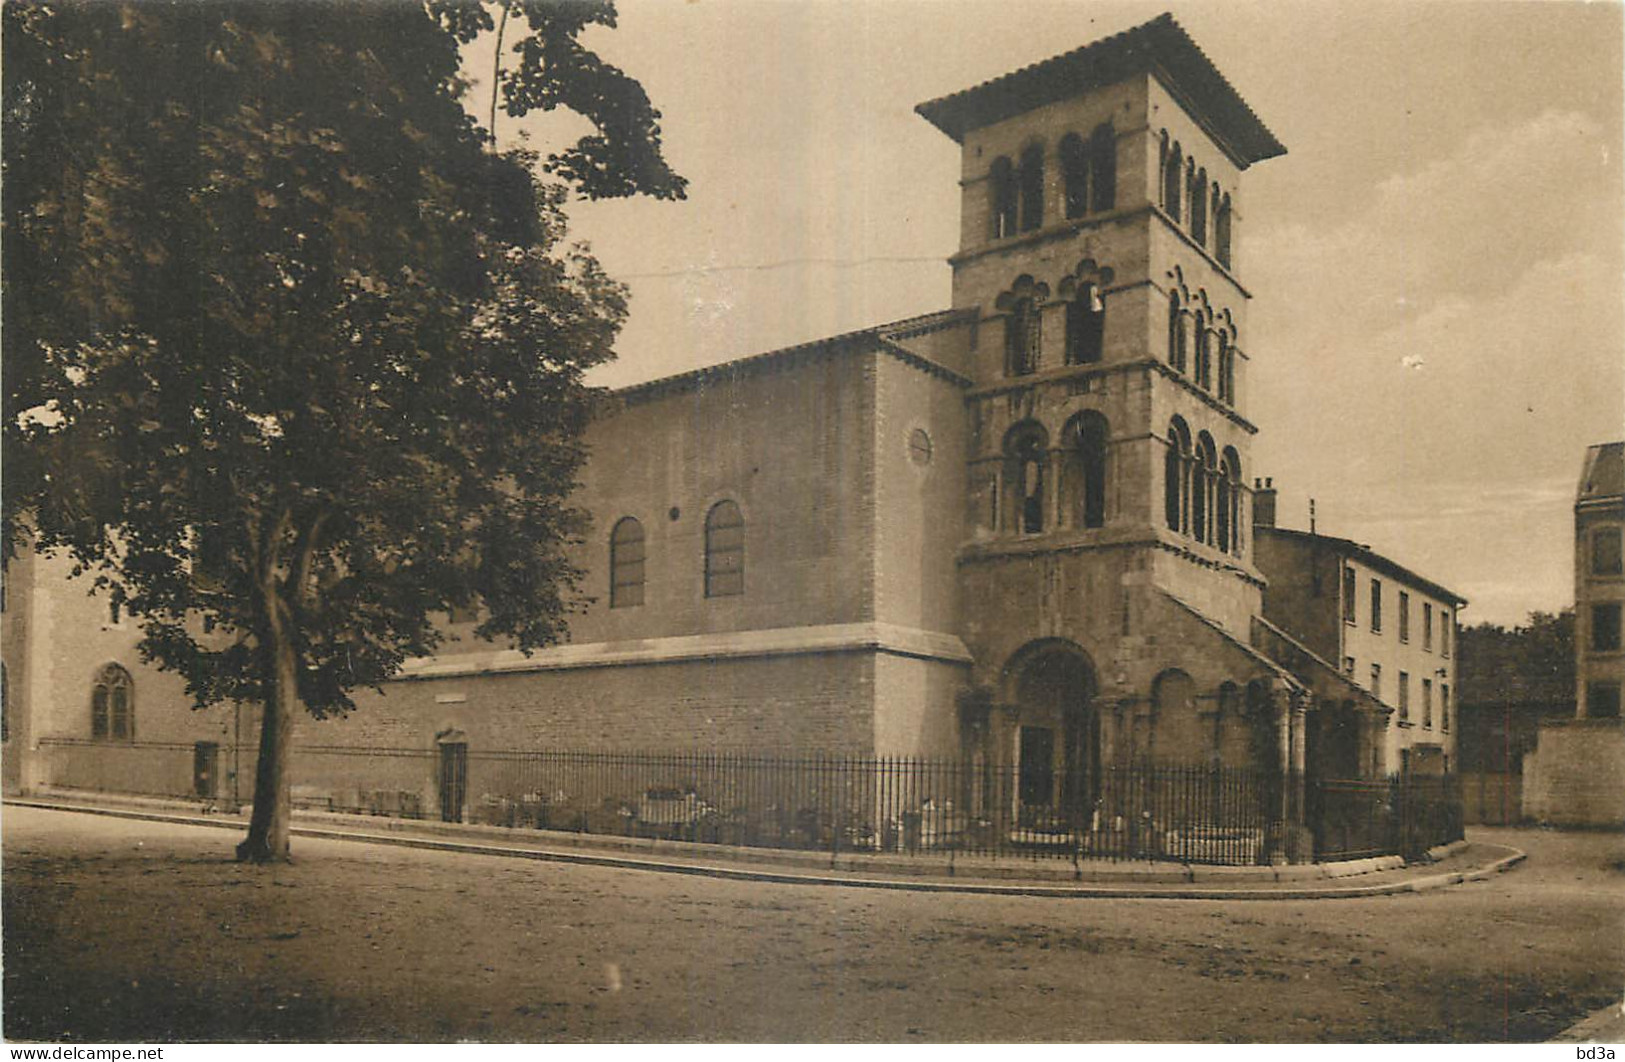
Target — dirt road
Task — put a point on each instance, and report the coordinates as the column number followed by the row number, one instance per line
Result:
column 129, row 931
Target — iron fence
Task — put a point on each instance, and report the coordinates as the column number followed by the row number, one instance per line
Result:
column 918, row 806
column 842, row 803
column 1405, row 814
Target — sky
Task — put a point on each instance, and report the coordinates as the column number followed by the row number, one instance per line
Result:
column 1437, row 328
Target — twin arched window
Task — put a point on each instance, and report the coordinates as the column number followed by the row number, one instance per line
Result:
column 1089, row 176
column 1079, row 498
column 724, row 556
column 1089, row 171
column 112, row 705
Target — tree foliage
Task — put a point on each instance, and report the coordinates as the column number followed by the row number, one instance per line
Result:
column 291, row 356
column 1532, row 662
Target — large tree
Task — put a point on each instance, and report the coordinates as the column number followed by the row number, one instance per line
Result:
column 293, row 357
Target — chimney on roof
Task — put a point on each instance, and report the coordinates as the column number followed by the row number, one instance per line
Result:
column 1264, row 503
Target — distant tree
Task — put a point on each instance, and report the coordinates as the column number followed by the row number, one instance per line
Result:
column 1533, row 661
column 291, row 355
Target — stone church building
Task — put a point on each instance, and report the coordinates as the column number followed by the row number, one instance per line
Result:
column 1017, row 530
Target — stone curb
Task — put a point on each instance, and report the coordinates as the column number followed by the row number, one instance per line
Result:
column 1422, row 884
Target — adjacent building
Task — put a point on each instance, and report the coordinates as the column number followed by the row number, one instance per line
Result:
column 1389, row 630
column 1575, row 775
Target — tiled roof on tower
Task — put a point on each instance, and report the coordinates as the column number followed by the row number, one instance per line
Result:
column 1160, row 47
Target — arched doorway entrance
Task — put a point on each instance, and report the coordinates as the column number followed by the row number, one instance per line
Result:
column 1056, row 743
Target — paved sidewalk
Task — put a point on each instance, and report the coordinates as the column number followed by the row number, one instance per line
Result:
column 1451, row 865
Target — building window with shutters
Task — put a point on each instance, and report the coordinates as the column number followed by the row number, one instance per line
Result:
column 724, row 551
column 112, row 705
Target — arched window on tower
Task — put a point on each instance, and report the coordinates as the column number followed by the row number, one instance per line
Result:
column 1230, row 502
column 1075, row 175
column 1026, row 457
column 1176, row 463
column 112, row 705
column 1162, row 169
column 1193, row 192
column 1205, row 466
column 1227, row 367
column 1085, row 326
column 1032, row 188
column 1221, row 232
column 626, row 564
column 1102, row 168
column 1002, row 198
column 1173, row 178
column 724, row 551
column 1199, row 208
column 1176, row 332
column 1023, row 337
column 1202, row 370
column 1084, row 479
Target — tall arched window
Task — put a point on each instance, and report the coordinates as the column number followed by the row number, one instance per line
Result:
column 1221, row 232
column 1002, row 198
column 112, row 705
column 1162, row 169
column 1102, row 168
column 724, row 551
column 1075, row 175
column 1199, row 208
column 1176, row 462
column 1026, row 459
column 1227, row 368
column 1192, row 192
column 1202, row 476
column 1032, row 188
column 1173, row 178
column 1084, row 485
column 1085, row 326
column 1023, row 337
column 1176, row 332
column 1230, row 502
column 626, row 564
column 1203, row 371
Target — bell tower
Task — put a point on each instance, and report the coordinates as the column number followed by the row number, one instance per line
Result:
column 1101, row 194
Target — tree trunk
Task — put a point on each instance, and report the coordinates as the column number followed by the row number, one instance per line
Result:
column 267, row 840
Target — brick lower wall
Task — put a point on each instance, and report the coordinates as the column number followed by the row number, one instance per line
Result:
column 1575, row 776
